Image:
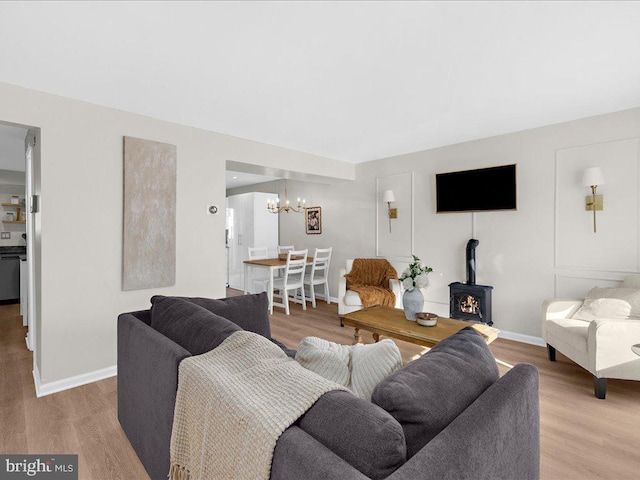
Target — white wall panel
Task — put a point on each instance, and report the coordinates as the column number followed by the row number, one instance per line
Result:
column 516, row 254
column 615, row 245
column 576, row 286
column 395, row 243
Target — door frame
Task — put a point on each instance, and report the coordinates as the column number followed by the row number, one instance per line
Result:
column 31, row 206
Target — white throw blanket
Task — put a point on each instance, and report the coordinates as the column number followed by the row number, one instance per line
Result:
column 232, row 405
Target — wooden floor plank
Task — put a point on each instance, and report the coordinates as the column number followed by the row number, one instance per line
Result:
column 13, row 430
column 106, row 450
column 581, row 437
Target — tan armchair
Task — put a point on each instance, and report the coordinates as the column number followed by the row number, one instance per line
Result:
column 601, row 346
column 349, row 301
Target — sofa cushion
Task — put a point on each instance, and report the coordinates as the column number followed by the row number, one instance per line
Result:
column 249, row 312
column 359, row 432
column 616, row 303
column 430, row 392
column 571, row 331
column 189, row 325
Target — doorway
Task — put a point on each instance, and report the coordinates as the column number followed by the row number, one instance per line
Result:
column 19, row 153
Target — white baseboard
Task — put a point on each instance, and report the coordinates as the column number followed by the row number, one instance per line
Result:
column 520, row 337
column 43, row 389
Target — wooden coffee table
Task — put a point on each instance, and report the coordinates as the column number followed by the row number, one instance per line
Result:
column 391, row 322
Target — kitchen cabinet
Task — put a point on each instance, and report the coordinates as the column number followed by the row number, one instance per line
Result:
column 249, row 224
column 9, row 277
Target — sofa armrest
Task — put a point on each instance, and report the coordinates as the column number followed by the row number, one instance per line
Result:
column 342, row 290
column 298, row 455
column 609, row 346
column 496, row 437
column 560, row 308
column 342, row 283
column 147, row 384
column 556, row 308
column 396, row 288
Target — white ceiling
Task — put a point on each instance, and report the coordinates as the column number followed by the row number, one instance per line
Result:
column 353, row 81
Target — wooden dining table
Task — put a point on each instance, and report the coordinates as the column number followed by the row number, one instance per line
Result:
column 272, row 264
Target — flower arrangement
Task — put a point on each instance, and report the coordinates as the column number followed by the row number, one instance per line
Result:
column 415, row 275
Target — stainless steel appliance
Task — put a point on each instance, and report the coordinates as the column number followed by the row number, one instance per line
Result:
column 10, row 272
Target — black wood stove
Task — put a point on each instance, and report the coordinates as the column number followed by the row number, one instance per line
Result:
column 468, row 301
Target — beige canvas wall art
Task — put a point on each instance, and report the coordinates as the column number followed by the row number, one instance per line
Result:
column 149, row 236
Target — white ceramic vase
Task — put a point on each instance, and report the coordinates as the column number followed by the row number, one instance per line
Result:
column 412, row 302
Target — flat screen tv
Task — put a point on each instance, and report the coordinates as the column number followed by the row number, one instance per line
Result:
column 478, row 190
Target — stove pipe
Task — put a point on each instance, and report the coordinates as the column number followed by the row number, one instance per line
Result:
column 471, row 261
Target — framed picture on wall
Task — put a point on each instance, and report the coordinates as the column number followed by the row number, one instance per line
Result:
column 313, row 220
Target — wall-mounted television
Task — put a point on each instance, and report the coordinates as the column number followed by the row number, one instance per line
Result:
column 478, row 190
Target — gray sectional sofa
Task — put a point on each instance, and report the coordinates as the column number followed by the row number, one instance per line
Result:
column 447, row 415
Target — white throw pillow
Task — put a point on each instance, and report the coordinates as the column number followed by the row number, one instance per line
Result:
column 615, row 303
column 327, row 359
column 370, row 364
column 358, row 367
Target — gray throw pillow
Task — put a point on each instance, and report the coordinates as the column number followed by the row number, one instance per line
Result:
column 189, row 325
column 358, row 431
column 249, row 312
column 430, row 392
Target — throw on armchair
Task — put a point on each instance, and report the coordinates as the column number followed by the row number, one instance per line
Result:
column 597, row 333
column 375, row 279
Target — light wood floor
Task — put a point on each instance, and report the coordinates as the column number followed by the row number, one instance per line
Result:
column 582, row 437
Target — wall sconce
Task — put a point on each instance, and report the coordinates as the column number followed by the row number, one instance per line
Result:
column 592, row 177
column 389, row 197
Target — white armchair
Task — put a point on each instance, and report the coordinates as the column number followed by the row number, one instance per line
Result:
column 602, row 346
column 349, row 301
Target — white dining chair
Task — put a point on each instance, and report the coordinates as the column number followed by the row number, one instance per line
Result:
column 319, row 274
column 259, row 253
column 285, row 248
column 292, row 280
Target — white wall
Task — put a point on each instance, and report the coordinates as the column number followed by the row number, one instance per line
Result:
column 12, row 178
column 81, row 218
column 517, row 251
column 12, row 148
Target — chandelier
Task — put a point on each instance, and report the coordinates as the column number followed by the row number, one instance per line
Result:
column 274, row 206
